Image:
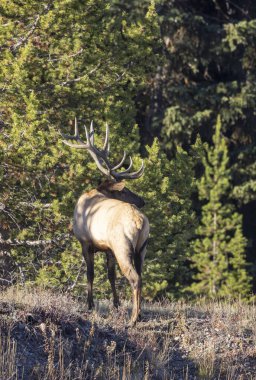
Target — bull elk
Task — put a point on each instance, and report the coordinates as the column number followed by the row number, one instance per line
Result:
column 108, row 219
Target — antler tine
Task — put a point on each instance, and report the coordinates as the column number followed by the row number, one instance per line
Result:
column 96, row 153
column 76, row 137
column 129, row 167
column 88, row 138
column 120, row 163
column 136, row 174
column 106, row 145
column 76, row 129
column 126, row 175
column 100, row 156
column 92, row 133
column 90, row 141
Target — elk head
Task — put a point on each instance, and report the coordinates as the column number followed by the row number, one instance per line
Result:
column 114, row 186
column 117, row 190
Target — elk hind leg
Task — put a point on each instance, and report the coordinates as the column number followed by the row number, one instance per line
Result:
column 88, row 254
column 125, row 262
column 135, row 282
column 138, row 268
column 111, row 264
column 139, row 256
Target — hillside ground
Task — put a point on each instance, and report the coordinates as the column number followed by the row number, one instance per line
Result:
column 47, row 335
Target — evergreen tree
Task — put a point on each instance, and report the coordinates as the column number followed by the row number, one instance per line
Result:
column 209, row 68
column 167, row 66
column 59, row 60
column 91, row 63
column 167, row 188
column 219, row 250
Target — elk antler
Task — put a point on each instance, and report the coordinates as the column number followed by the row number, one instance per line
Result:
column 100, row 156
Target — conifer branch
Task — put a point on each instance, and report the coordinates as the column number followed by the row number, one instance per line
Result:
column 25, row 38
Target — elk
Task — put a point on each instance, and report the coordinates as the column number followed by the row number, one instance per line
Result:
column 108, row 219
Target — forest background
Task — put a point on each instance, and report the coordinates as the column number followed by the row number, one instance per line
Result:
column 175, row 81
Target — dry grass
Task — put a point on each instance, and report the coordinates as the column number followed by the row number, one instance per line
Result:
column 50, row 336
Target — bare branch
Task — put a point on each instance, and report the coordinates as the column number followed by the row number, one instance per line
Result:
column 5, row 280
column 81, row 77
column 77, row 276
column 30, row 243
column 62, row 58
column 33, row 205
column 25, row 38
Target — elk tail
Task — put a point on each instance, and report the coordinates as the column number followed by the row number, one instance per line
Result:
column 143, row 246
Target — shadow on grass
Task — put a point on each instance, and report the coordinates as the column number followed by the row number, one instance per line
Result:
column 50, row 345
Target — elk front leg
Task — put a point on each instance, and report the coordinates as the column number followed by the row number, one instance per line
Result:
column 111, row 264
column 88, row 254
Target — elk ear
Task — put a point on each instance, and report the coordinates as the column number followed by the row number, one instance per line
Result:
column 109, row 185
column 116, row 186
column 104, row 185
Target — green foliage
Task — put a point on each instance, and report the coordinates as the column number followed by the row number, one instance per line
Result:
column 170, row 67
column 135, row 9
column 210, row 52
column 167, row 187
column 60, row 61
column 219, row 250
column 87, row 64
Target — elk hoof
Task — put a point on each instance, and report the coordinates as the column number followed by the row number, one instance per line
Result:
column 91, row 306
column 130, row 324
column 116, row 304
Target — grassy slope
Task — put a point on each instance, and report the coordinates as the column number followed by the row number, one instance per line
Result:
column 46, row 335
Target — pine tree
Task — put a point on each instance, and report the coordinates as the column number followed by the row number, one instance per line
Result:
column 167, row 187
column 210, row 51
column 219, row 250
column 59, row 60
